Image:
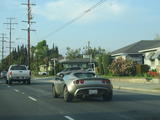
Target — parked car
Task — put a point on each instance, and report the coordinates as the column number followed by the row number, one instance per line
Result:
column 43, row 73
column 68, row 70
column 19, row 73
column 4, row 74
column 82, row 84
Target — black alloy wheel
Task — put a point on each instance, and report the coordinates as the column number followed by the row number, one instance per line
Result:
column 54, row 92
column 67, row 96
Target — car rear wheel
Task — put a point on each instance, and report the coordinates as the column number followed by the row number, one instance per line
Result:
column 54, row 92
column 67, row 96
column 107, row 96
column 24, row 82
column 6, row 81
column 28, row 81
column 10, row 82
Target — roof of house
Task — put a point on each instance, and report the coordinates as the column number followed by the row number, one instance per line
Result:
column 135, row 47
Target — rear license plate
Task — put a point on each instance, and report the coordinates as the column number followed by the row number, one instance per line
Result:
column 91, row 92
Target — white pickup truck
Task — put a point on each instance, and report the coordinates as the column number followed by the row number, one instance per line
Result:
column 18, row 73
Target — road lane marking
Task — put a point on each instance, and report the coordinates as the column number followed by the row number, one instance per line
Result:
column 9, row 86
column 23, row 93
column 16, row 90
column 68, row 117
column 32, row 98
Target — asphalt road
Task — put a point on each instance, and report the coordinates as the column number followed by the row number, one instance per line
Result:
column 35, row 102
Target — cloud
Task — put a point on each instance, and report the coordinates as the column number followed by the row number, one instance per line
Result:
column 65, row 10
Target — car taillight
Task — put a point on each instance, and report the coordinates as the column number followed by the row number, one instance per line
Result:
column 78, row 82
column 82, row 81
column 105, row 81
column 10, row 73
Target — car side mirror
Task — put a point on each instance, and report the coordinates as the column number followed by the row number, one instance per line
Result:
column 61, row 76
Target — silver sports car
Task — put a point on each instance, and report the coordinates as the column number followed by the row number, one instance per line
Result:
column 82, row 84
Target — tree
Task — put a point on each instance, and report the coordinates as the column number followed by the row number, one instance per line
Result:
column 42, row 48
column 94, row 52
column 157, row 37
column 104, row 60
column 73, row 54
column 40, row 55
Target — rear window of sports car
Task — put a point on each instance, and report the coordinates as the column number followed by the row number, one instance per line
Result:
column 84, row 75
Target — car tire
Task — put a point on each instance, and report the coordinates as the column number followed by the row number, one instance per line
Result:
column 54, row 92
column 10, row 82
column 6, row 81
column 24, row 82
column 67, row 96
column 108, row 96
column 28, row 81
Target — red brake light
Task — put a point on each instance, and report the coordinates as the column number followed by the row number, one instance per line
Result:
column 10, row 73
column 105, row 81
column 82, row 81
column 79, row 82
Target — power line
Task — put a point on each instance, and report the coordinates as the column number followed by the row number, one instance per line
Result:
column 75, row 19
column 3, row 41
column 10, row 23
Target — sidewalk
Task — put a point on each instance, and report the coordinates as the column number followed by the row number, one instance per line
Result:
column 143, row 87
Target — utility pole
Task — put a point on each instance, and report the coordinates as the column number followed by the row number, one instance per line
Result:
column 29, row 14
column 89, row 52
column 92, row 64
column 3, row 41
column 10, row 23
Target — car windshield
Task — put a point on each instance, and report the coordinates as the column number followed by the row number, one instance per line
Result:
column 84, row 75
column 75, row 68
column 67, row 69
column 71, row 69
column 18, row 68
column 4, row 72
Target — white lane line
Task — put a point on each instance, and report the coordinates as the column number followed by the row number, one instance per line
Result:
column 68, row 117
column 23, row 93
column 9, row 86
column 16, row 90
column 32, row 98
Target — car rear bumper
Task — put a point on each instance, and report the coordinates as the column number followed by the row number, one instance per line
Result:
column 97, row 91
column 19, row 78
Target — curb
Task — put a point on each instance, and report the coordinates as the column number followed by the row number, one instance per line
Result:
column 37, row 78
column 136, row 89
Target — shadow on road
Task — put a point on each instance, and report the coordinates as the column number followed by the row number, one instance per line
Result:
column 135, row 97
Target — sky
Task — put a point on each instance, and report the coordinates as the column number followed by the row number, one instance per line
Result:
column 111, row 25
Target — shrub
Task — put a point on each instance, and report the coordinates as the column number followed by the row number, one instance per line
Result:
column 142, row 69
column 123, row 67
column 145, row 68
column 152, row 73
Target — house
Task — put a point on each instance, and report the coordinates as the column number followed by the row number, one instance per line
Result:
column 152, row 56
column 84, row 63
column 45, row 68
column 135, row 51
